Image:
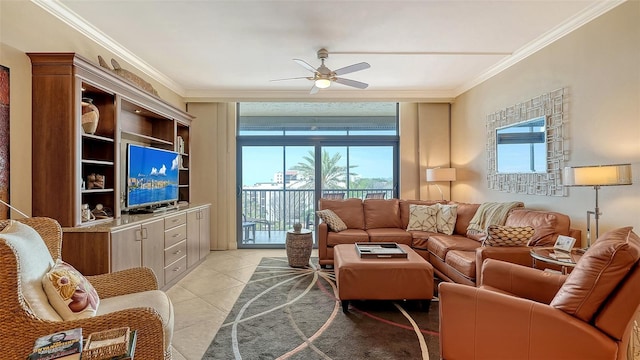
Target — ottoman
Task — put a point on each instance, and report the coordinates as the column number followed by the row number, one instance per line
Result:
column 408, row 278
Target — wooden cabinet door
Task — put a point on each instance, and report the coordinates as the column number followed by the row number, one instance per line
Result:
column 193, row 237
column 153, row 248
column 205, row 237
column 126, row 248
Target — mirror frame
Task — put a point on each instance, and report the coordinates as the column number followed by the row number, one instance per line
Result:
column 550, row 105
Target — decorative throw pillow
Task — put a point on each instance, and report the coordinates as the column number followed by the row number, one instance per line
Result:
column 446, row 218
column 35, row 260
column 422, row 217
column 333, row 221
column 70, row 293
column 498, row 235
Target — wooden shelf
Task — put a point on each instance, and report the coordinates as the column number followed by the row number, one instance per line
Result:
column 97, row 162
column 145, row 138
column 95, row 191
column 97, row 137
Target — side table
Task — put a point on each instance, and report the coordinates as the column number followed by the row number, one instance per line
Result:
column 299, row 245
column 547, row 255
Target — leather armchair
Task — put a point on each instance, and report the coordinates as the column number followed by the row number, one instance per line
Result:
column 525, row 313
column 127, row 298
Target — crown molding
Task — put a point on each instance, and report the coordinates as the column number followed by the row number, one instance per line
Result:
column 323, row 95
column 580, row 19
column 64, row 14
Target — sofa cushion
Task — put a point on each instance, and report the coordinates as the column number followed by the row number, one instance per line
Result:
column 439, row 245
column 446, row 218
column 498, row 235
column 349, row 210
column 156, row 299
column 396, row 235
column 423, row 218
column 70, row 293
column 419, row 239
column 333, row 221
column 349, row 236
column 464, row 214
column 380, row 213
column 405, row 212
column 34, row 260
column 547, row 224
column 462, row 261
column 597, row 273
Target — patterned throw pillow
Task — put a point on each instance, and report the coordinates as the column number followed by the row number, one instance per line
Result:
column 446, row 218
column 333, row 221
column 70, row 293
column 498, row 235
column 422, row 217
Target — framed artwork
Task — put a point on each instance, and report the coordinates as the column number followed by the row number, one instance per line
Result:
column 4, row 140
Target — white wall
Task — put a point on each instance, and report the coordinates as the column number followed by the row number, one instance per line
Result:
column 599, row 64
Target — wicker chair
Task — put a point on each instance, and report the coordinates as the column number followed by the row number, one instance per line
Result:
column 19, row 326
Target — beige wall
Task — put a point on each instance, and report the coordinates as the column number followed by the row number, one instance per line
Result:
column 17, row 19
column 599, row 64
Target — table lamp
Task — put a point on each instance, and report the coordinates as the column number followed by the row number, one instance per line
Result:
column 596, row 176
column 441, row 174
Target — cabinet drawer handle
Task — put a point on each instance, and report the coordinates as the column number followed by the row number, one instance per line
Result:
column 177, row 269
column 174, row 220
column 177, row 252
column 176, row 235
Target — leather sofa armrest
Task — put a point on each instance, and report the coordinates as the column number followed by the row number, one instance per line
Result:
column 323, row 232
column 520, row 255
column 477, row 323
column 522, row 281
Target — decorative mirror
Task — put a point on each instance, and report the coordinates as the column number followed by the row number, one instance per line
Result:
column 522, row 147
column 525, row 146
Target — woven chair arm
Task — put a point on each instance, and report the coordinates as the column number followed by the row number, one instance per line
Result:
column 149, row 342
column 123, row 282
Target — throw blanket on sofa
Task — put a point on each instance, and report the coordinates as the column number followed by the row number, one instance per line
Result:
column 490, row 213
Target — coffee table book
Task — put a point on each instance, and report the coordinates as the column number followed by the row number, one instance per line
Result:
column 65, row 345
column 380, row 250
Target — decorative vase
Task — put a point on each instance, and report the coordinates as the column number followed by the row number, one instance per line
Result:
column 90, row 116
column 297, row 227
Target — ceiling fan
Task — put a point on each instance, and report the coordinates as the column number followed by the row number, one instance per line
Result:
column 323, row 76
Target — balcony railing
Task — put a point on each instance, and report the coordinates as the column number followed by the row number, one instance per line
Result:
column 278, row 210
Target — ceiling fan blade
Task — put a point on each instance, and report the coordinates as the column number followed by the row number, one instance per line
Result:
column 352, row 68
column 353, row 83
column 305, row 65
column 314, row 90
column 294, row 78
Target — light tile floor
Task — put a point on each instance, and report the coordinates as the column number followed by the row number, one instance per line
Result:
column 204, row 297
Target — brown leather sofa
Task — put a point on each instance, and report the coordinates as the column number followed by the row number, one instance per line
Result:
column 455, row 257
column 524, row 313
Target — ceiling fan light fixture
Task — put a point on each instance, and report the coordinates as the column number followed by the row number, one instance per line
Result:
column 323, row 83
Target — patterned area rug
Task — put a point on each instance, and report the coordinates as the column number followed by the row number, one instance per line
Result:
column 293, row 313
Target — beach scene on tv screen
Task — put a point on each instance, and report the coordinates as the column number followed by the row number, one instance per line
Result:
column 152, row 176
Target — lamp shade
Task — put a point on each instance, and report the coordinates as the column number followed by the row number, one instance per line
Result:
column 441, row 174
column 597, row 175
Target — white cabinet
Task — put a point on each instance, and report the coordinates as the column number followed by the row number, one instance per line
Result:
column 139, row 245
column 198, row 228
column 175, row 246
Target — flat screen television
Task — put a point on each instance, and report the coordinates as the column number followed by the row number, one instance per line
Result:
column 152, row 177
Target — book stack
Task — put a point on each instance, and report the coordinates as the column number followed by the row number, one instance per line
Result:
column 65, row 345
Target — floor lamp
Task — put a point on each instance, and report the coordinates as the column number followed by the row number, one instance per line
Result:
column 596, row 176
column 441, row 174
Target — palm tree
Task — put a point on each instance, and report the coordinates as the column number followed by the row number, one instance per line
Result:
column 333, row 175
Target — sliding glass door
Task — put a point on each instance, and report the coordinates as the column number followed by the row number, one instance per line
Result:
column 289, row 157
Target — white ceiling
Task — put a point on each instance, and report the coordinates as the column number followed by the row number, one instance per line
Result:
column 232, row 49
